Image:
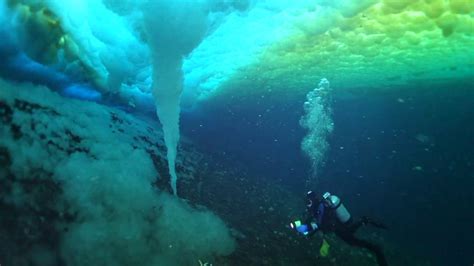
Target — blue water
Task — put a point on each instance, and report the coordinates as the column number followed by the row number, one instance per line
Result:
column 405, row 156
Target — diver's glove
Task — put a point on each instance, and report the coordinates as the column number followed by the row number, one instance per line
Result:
column 303, row 229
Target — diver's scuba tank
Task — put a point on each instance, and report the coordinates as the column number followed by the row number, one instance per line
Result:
column 333, row 202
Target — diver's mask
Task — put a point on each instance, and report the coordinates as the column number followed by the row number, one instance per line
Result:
column 310, row 198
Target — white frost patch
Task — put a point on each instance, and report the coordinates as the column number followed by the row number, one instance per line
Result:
column 106, row 177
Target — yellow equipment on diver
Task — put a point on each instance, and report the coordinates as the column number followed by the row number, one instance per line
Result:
column 324, row 250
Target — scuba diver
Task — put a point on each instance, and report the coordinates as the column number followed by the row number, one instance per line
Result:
column 328, row 214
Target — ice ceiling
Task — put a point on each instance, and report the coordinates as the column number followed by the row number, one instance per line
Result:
column 173, row 53
column 247, row 46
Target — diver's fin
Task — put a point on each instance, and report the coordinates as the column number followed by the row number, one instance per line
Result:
column 366, row 220
column 379, row 225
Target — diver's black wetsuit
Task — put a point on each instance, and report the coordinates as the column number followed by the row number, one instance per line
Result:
column 327, row 222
